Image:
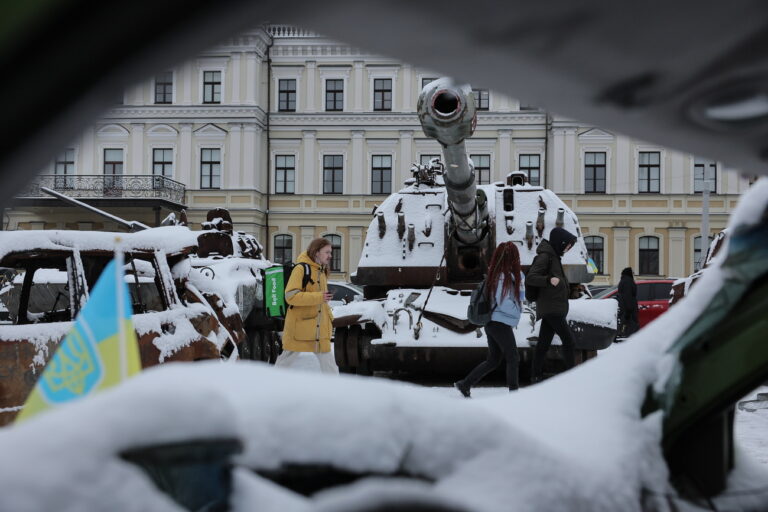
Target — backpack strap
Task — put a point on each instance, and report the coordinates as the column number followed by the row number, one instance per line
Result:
column 307, row 276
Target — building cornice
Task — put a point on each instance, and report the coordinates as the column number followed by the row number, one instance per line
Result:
column 486, row 121
column 167, row 113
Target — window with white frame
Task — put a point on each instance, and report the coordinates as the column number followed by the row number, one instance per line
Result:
column 382, row 94
column 649, row 172
column 381, row 174
column 531, row 165
column 335, row 252
column 481, row 99
column 286, row 95
column 210, row 168
column 164, row 88
column 649, row 255
column 64, row 168
column 704, row 175
column 285, row 174
column 596, row 251
column 334, row 95
column 425, row 159
column 482, row 165
column 333, row 174
column 113, row 166
column 212, row 87
column 283, row 249
column 594, row 172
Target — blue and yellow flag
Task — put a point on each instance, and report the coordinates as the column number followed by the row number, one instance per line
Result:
column 100, row 351
column 591, row 267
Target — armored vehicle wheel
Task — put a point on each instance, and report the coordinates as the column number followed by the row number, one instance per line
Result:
column 249, row 348
column 275, row 345
column 266, row 347
column 340, row 350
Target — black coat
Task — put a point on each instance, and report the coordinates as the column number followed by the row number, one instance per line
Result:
column 552, row 300
column 627, row 295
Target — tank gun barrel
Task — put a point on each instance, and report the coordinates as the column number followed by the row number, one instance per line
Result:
column 447, row 114
column 133, row 225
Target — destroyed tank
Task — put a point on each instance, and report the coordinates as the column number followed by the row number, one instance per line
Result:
column 429, row 245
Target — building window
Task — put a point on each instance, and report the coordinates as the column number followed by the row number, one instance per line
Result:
column 595, row 250
column 704, row 175
column 594, row 173
column 286, row 95
column 113, row 161
column 162, row 162
column 164, row 88
column 335, row 252
column 482, row 165
column 425, row 81
column 283, row 249
column 334, row 95
column 285, row 174
column 382, row 94
column 64, row 169
column 649, row 255
column 211, row 86
column 333, row 174
column 210, row 168
column 699, row 253
column 649, row 172
column 531, row 165
column 425, row 159
column 481, row 98
column 381, row 174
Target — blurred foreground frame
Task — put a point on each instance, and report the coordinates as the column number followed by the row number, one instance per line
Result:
column 596, row 61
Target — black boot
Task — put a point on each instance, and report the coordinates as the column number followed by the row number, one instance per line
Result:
column 462, row 387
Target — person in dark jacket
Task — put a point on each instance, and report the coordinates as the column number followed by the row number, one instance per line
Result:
column 627, row 296
column 505, row 288
column 547, row 274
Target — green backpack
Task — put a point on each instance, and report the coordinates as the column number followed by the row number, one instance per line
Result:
column 275, row 280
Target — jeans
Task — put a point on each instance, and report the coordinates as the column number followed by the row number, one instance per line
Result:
column 501, row 341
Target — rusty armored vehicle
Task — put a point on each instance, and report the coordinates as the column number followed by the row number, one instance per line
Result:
column 47, row 277
column 429, row 245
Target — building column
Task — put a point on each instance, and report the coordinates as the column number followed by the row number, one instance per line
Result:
column 252, row 159
column 186, row 81
column 357, row 105
column 87, row 152
column 252, row 77
column 621, row 175
column 137, row 149
column 620, row 257
column 556, row 176
column 307, row 235
column 677, row 259
column 406, row 158
column 505, row 154
column 311, row 85
column 407, row 93
column 357, row 169
column 355, row 247
column 310, row 180
column 236, row 78
column 184, row 171
column 233, row 177
column 570, row 186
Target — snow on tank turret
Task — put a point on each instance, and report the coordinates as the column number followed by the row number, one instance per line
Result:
column 430, row 243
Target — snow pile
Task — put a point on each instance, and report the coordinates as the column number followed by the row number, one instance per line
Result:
column 602, row 313
column 170, row 239
column 369, row 311
column 235, row 280
column 183, row 332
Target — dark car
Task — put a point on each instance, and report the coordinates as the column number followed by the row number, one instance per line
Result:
column 652, row 298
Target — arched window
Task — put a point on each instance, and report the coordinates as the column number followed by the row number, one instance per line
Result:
column 336, row 254
column 283, row 249
column 649, row 255
column 595, row 250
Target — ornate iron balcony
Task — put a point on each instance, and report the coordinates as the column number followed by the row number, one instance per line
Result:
column 107, row 186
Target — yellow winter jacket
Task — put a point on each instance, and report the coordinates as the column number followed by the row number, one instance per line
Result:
column 308, row 320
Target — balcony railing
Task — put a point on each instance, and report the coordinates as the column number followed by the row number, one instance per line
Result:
column 107, row 186
column 290, row 31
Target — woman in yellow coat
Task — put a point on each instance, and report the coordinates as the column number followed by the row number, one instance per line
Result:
column 308, row 322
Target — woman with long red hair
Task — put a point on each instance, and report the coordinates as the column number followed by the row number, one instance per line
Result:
column 504, row 286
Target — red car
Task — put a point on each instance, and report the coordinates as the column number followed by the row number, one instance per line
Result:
column 652, row 298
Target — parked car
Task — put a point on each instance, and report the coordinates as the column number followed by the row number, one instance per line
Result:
column 343, row 293
column 652, row 298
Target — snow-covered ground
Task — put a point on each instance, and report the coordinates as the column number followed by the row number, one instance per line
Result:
column 751, row 428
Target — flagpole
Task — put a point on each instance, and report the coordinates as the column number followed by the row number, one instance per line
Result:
column 122, row 339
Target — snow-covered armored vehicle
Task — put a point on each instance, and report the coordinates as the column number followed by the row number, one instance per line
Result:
column 430, row 243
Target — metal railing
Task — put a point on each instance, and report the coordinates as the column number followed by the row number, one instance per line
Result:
column 125, row 186
column 290, row 31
